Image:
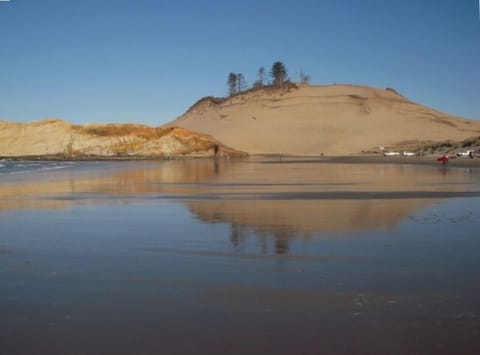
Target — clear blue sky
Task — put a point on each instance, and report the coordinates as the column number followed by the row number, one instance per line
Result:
column 149, row 60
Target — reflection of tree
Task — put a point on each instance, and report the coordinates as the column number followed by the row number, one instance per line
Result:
column 237, row 236
column 281, row 242
column 277, row 239
column 263, row 236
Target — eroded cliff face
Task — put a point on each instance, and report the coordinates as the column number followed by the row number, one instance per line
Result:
column 55, row 137
column 37, row 138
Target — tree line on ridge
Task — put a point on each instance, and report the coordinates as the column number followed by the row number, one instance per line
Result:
column 236, row 82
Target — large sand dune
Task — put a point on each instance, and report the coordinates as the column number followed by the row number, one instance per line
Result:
column 313, row 120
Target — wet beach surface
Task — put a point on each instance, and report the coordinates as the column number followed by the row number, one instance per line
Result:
column 251, row 256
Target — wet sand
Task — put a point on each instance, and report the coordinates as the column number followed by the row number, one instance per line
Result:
column 430, row 160
column 240, row 257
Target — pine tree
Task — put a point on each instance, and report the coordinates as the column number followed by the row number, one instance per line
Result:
column 304, row 78
column 241, row 83
column 279, row 73
column 232, row 83
column 261, row 77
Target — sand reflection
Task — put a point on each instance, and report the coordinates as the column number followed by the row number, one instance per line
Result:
column 282, row 221
column 293, row 200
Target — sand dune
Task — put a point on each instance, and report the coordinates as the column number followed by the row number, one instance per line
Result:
column 293, row 119
column 313, row 120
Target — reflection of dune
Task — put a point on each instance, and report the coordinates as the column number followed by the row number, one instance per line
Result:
column 307, row 217
column 271, row 225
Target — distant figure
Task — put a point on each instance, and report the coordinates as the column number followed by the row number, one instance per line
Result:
column 215, row 149
column 443, row 159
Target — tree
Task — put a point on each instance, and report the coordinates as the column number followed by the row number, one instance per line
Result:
column 261, row 77
column 241, row 83
column 279, row 73
column 232, row 83
column 304, row 78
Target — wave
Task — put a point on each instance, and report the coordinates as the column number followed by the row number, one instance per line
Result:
column 15, row 168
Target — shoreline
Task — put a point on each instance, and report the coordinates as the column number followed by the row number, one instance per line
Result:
column 365, row 159
column 270, row 158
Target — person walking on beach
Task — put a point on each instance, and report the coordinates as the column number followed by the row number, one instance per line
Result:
column 443, row 159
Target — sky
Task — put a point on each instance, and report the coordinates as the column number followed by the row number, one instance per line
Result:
column 148, row 61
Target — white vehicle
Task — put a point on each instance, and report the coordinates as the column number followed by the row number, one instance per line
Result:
column 467, row 154
column 408, row 154
column 391, row 154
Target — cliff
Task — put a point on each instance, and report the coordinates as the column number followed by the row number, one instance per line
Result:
column 55, row 137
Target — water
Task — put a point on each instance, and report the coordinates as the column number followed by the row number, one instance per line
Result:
column 13, row 167
column 240, row 257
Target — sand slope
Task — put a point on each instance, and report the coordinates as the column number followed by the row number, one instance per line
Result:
column 308, row 119
column 56, row 137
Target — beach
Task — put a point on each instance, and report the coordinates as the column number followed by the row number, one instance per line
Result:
column 271, row 254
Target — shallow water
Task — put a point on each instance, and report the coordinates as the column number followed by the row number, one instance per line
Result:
column 208, row 256
column 15, row 167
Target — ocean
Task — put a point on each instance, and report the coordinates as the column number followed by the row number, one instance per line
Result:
column 13, row 167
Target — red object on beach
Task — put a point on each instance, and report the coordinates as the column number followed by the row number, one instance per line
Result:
column 443, row 159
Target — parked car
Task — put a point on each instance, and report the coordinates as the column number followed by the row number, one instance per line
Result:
column 466, row 154
column 391, row 154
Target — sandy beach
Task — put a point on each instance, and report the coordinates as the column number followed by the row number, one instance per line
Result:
column 346, row 254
